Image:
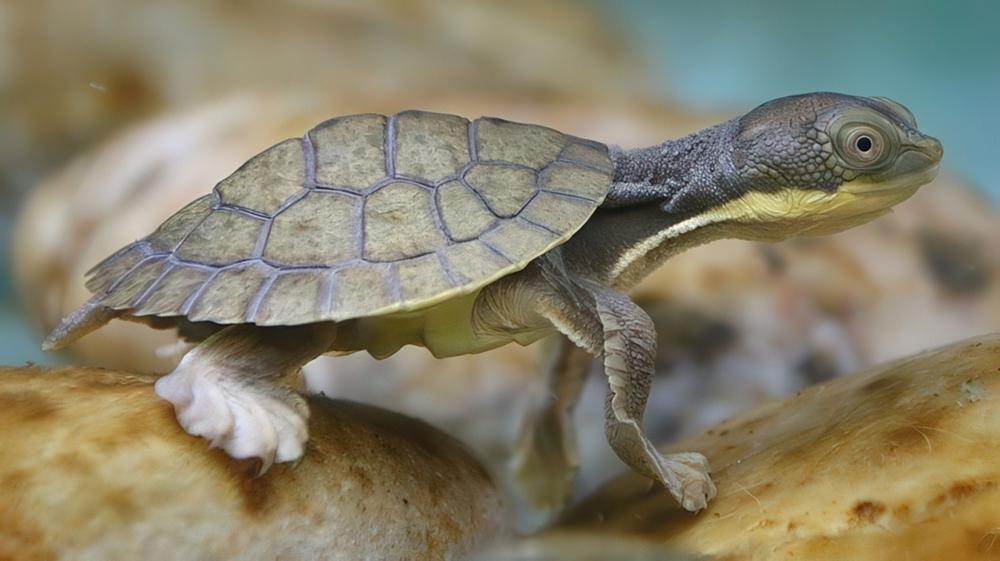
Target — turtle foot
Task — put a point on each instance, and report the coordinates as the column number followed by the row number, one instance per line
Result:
column 691, row 483
column 246, row 417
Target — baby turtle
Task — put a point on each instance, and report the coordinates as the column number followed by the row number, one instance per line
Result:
column 373, row 232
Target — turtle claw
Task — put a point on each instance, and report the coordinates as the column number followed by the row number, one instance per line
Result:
column 246, row 420
column 692, row 486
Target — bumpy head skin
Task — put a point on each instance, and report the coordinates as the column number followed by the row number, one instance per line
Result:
column 820, row 163
column 806, row 164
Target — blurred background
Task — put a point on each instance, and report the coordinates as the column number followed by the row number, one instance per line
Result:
column 114, row 113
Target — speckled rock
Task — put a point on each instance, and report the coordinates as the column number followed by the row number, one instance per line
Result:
column 899, row 462
column 94, row 466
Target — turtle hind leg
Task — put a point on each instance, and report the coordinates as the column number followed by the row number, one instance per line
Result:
column 228, row 389
column 545, row 459
column 88, row 317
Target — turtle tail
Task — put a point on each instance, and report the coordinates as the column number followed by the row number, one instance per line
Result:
column 88, row 317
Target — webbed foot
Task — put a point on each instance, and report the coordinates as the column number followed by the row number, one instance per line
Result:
column 246, row 417
column 693, row 487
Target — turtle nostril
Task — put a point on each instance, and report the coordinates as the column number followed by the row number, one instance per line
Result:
column 932, row 147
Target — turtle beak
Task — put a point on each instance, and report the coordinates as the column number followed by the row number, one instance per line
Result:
column 928, row 146
column 920, row 157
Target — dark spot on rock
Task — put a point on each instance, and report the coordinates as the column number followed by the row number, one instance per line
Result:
column 957, row 264
column 26, row 406
column 961, row 490
column 881, row 384
column 866, row 512
column 255, row 491
column 363, row 479
column 817, row 366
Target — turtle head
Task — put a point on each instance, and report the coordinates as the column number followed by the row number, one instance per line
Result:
column 821, row 163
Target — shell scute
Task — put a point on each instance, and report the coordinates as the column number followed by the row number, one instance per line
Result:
column 505, row 188
column 227, row 297
column 292, row 298
column 399, row 223
column 350, row 151
column 269, row 179
column 320, row 229
column 172, row 291
column 430, row 146
column 463, row 211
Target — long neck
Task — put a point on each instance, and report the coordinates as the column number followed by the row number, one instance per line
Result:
column 658, row 205
column 684, row 175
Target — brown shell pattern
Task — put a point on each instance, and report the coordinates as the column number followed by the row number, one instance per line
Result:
column 364, row 215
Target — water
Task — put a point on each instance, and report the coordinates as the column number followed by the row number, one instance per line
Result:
column 941, row 59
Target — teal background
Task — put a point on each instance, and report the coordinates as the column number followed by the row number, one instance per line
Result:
column 940, row 59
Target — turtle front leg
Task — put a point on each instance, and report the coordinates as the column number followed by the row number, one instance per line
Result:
column 228, row 391
column 609, row 325
column 629, row 350
column 545, row 457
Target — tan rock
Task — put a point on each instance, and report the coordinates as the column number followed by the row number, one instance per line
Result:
column 898, row 462
column 94, row 466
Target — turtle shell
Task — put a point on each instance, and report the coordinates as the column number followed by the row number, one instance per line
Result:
column 364, row 215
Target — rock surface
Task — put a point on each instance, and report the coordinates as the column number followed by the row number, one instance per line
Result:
column 94, row 466
column 898, row 462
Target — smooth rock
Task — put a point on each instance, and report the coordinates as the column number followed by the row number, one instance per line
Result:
column 94, row 466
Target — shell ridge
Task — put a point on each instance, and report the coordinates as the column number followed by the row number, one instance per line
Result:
column 138, row 300
column 473, row 149
column 395, row 286
column 243, row 210
column 215, row 206
column 254, row 306
column 582, row 164
column 569, row 195
column 142, row 246
column 389, row 148
column 143, row 261
column 435, row 205
column 189, row 302
column 308, row 162
column 262, row 237
column 482, row 199
column 327, row 288
column 539, row 225
column 448, row 271
column 496, row 251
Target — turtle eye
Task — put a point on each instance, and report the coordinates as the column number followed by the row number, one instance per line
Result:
column 864, row 146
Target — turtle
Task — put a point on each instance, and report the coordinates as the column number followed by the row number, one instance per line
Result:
column 373, row 232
